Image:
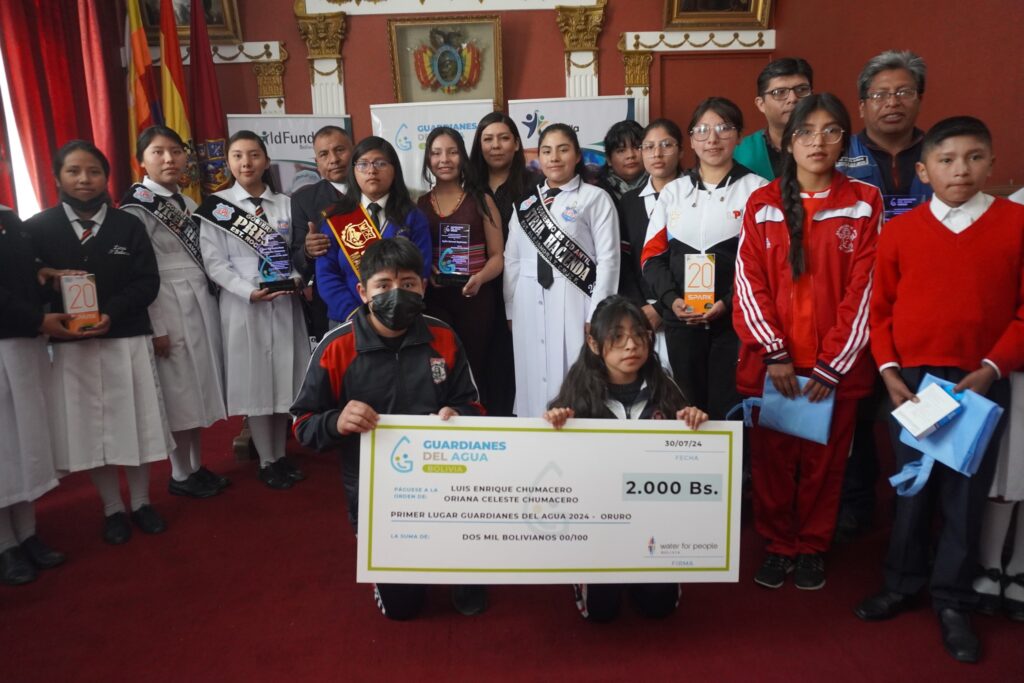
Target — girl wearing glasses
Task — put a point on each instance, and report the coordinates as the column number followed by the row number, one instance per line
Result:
column 617, row 376
column 263, row 330
column 690, row 244
column 803, row 280
column 379, row 188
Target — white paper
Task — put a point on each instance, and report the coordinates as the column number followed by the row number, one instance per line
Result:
column 929, row 413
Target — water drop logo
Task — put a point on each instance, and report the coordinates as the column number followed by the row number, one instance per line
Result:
column 651, row 545
column 402, row 141
column 400, row 461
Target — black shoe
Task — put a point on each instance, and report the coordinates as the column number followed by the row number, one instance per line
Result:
column 469, row 600
column 148, row 520
column 884, row 605
column 849, row 526
column 990, row 604
column 810, row 572
column 772, row 573
column 274, row 477
column 958, row 636
column 193, row 487
column 220, row 481
column 285, row 464
column 42, row 555
column 1014, row 609
column 116, row 529
column 16, row 567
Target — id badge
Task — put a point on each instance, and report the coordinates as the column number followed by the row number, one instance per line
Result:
column 699, row 294
column 895, row 204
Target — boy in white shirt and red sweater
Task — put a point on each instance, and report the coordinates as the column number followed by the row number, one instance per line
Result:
column 948, row 300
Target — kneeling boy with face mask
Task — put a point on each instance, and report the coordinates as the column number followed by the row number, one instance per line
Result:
column 388, row 358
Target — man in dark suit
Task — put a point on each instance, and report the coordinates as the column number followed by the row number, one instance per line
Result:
column 332, row 148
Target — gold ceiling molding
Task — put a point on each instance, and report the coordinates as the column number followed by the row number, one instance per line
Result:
column 694, row 41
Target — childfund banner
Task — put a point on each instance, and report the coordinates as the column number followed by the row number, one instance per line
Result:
column 289, row 141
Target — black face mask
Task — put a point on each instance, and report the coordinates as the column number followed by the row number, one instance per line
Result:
column 397, row 309
column 89, row 205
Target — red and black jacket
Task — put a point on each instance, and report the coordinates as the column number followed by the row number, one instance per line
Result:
column 840, row 253
column 428, row 372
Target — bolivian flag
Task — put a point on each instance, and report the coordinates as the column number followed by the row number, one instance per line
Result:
column 143, row 105
column 173, row 97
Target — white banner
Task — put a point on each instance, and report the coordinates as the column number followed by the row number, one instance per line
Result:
column 406, row 127
column 289, row 141
column 589, row 117
column 507, row 500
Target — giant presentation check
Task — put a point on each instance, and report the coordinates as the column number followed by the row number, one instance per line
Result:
column 506, row 500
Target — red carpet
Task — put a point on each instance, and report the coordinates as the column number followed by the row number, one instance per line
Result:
column 259, row 585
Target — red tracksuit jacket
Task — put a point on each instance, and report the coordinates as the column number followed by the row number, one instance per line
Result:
column 840, row 253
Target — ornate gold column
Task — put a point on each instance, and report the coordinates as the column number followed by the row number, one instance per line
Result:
column 324, row 35
column 638, row 79
column 270, row 84
column 580, row 27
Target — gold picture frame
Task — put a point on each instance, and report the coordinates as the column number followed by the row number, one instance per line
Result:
column 221, row 20
column 446, row 59
column 716, row 14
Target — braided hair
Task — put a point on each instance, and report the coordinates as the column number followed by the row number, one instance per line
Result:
column 789, row 186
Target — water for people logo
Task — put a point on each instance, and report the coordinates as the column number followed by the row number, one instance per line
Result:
column 401, row 462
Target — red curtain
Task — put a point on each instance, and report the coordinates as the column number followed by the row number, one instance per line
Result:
column 55, row 97
column 102, row 29
column 7, row 194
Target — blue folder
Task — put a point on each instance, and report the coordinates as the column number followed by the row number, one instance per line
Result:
column 794, row 416
column 960, row 444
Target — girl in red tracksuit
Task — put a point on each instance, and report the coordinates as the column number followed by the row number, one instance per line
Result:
column 803, row 282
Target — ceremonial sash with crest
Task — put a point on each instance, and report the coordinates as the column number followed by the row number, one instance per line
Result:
column 355, row 232
column 167, row 212
column 254, row 232
column 554, row 246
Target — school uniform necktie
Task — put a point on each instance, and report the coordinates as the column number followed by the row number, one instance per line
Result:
column 258, row 203
column 179, row 200
column 374, row 209
column 546, row 276
column 87, row 226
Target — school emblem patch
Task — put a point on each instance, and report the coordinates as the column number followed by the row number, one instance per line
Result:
column 570, row 213
column 223, row 212
column 438, row 371
column 143, row 194
column 358, row 235
column 530, row 201
column 846, row 235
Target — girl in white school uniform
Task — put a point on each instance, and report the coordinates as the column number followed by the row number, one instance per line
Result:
column 561, row 259
column 26, row 456
column 244, row 244
column 185, row 316
column 106, row 409
column 1002, row 587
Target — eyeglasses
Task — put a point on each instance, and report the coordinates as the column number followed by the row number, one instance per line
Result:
column 829, row 136
column 703, row 131
column 781, row 94
column 376, row 164
column 666, row 146
column 621, row 339
column 903, row 94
